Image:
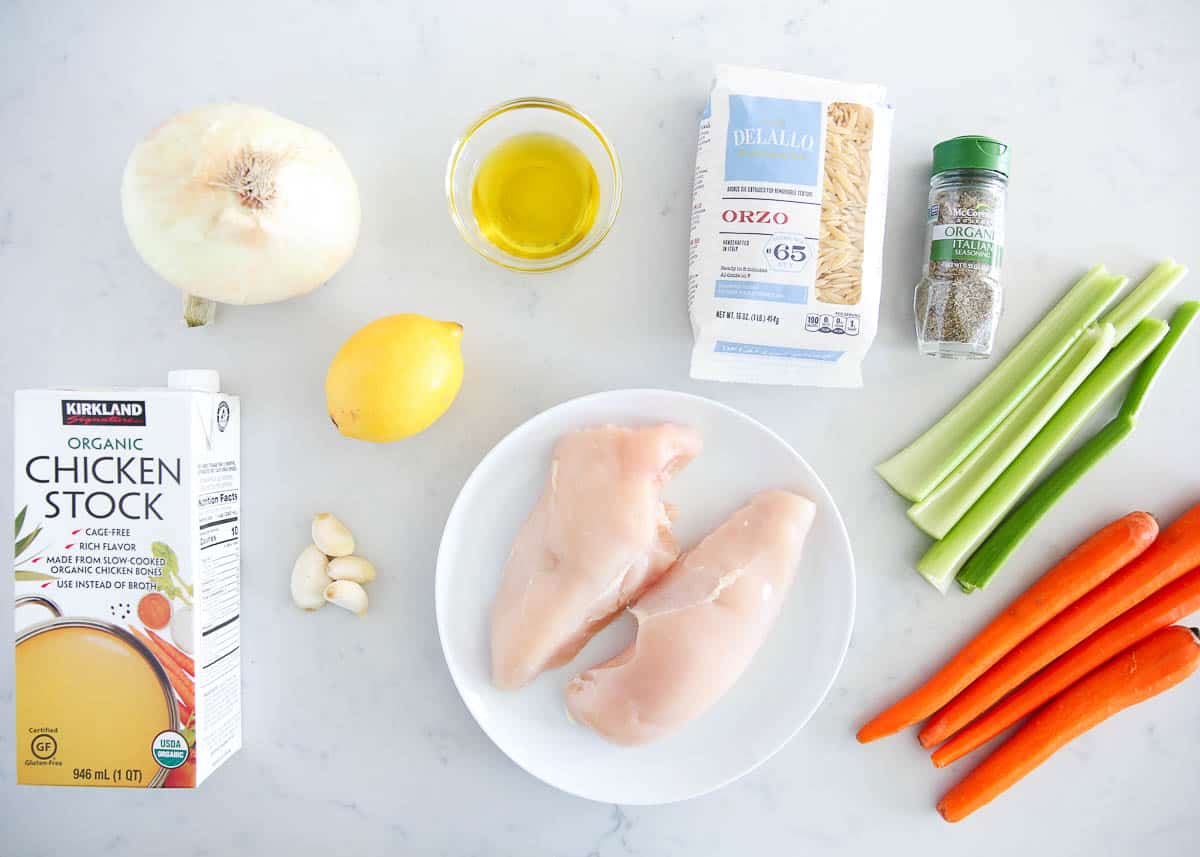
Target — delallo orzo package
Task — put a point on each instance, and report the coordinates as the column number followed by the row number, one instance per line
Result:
column 787, row 228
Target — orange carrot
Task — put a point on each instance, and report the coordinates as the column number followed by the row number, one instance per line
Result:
column 154, row 610
column 1158, row 663
column 1168, row 605
column 180, row 680
column 1176, row 552
column 184, row 661
column 1075, row 575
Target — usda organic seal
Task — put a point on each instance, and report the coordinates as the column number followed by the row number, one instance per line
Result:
column 170, row 749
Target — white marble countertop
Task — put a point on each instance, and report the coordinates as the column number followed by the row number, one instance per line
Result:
column 356, row 741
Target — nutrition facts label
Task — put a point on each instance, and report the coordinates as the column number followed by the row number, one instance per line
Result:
column 220, row 556
column 219, row 674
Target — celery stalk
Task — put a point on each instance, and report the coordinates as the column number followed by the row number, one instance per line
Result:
column 939, row 511
column 1006, row 538
column 1181, row 320
column 951, row 499
column 944, row 558
column 1145, row 297
column 995, row 550
column 918, row 468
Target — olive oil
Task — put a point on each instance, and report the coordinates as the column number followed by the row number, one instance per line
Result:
column 535, row 196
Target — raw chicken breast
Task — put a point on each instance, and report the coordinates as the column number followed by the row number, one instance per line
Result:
column 598, row 536
column 699, row 626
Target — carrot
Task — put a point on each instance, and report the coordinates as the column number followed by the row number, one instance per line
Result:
column 180, row 680
column 1168, row 605
column 1158, row 663
column 184, row 661
column 154, row 610
column 1078, row 572
column 1176, row 552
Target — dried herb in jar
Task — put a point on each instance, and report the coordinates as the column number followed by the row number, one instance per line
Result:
column 959, row 300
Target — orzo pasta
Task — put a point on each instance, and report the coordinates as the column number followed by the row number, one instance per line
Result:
column 787, row 228
column 848, row 131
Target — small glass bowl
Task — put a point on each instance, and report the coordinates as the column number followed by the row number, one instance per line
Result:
column 521, row 116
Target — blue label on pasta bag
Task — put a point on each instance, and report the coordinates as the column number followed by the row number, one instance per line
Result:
column 773, row 140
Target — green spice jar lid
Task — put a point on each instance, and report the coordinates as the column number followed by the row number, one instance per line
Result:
column 971, row 152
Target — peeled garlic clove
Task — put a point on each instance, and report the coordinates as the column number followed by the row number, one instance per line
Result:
column 332, row 536
column 347, row 594
column 352, row 568
column 309, row 578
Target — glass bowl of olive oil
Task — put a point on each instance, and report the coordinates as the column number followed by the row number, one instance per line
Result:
column 533, row 184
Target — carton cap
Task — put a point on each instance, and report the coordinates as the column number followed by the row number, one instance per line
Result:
column 197, row 380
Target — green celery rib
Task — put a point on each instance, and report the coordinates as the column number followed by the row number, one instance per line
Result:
column 26, row 574
column 939, row 511
column 1006, row 538
column 997, row 548
column 944, row 558
column 1181, row 320
column 1145, row 296
column 918, row 468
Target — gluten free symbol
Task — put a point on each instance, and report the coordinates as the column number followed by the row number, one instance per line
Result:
column 44, row 746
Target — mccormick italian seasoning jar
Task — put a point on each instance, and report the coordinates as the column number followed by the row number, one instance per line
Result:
column 958, row 300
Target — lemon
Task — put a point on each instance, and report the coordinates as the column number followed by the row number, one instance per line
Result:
column 394, row 377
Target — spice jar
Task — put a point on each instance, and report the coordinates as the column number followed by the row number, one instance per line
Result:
column 958, row 300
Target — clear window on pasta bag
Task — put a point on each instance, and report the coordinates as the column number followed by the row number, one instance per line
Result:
column 787, row 228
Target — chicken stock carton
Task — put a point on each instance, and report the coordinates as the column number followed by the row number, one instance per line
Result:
column 127, row 576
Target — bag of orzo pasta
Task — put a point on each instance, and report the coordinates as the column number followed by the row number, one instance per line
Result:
column 787, row 228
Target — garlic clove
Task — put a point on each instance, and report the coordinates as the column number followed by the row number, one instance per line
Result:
column 332, row 536
column 351, row 568
column 348, row 595
column 309, row 578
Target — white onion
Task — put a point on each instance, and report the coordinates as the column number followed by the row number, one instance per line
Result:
column 237, row 205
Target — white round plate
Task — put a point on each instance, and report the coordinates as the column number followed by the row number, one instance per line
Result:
column 776, row 695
